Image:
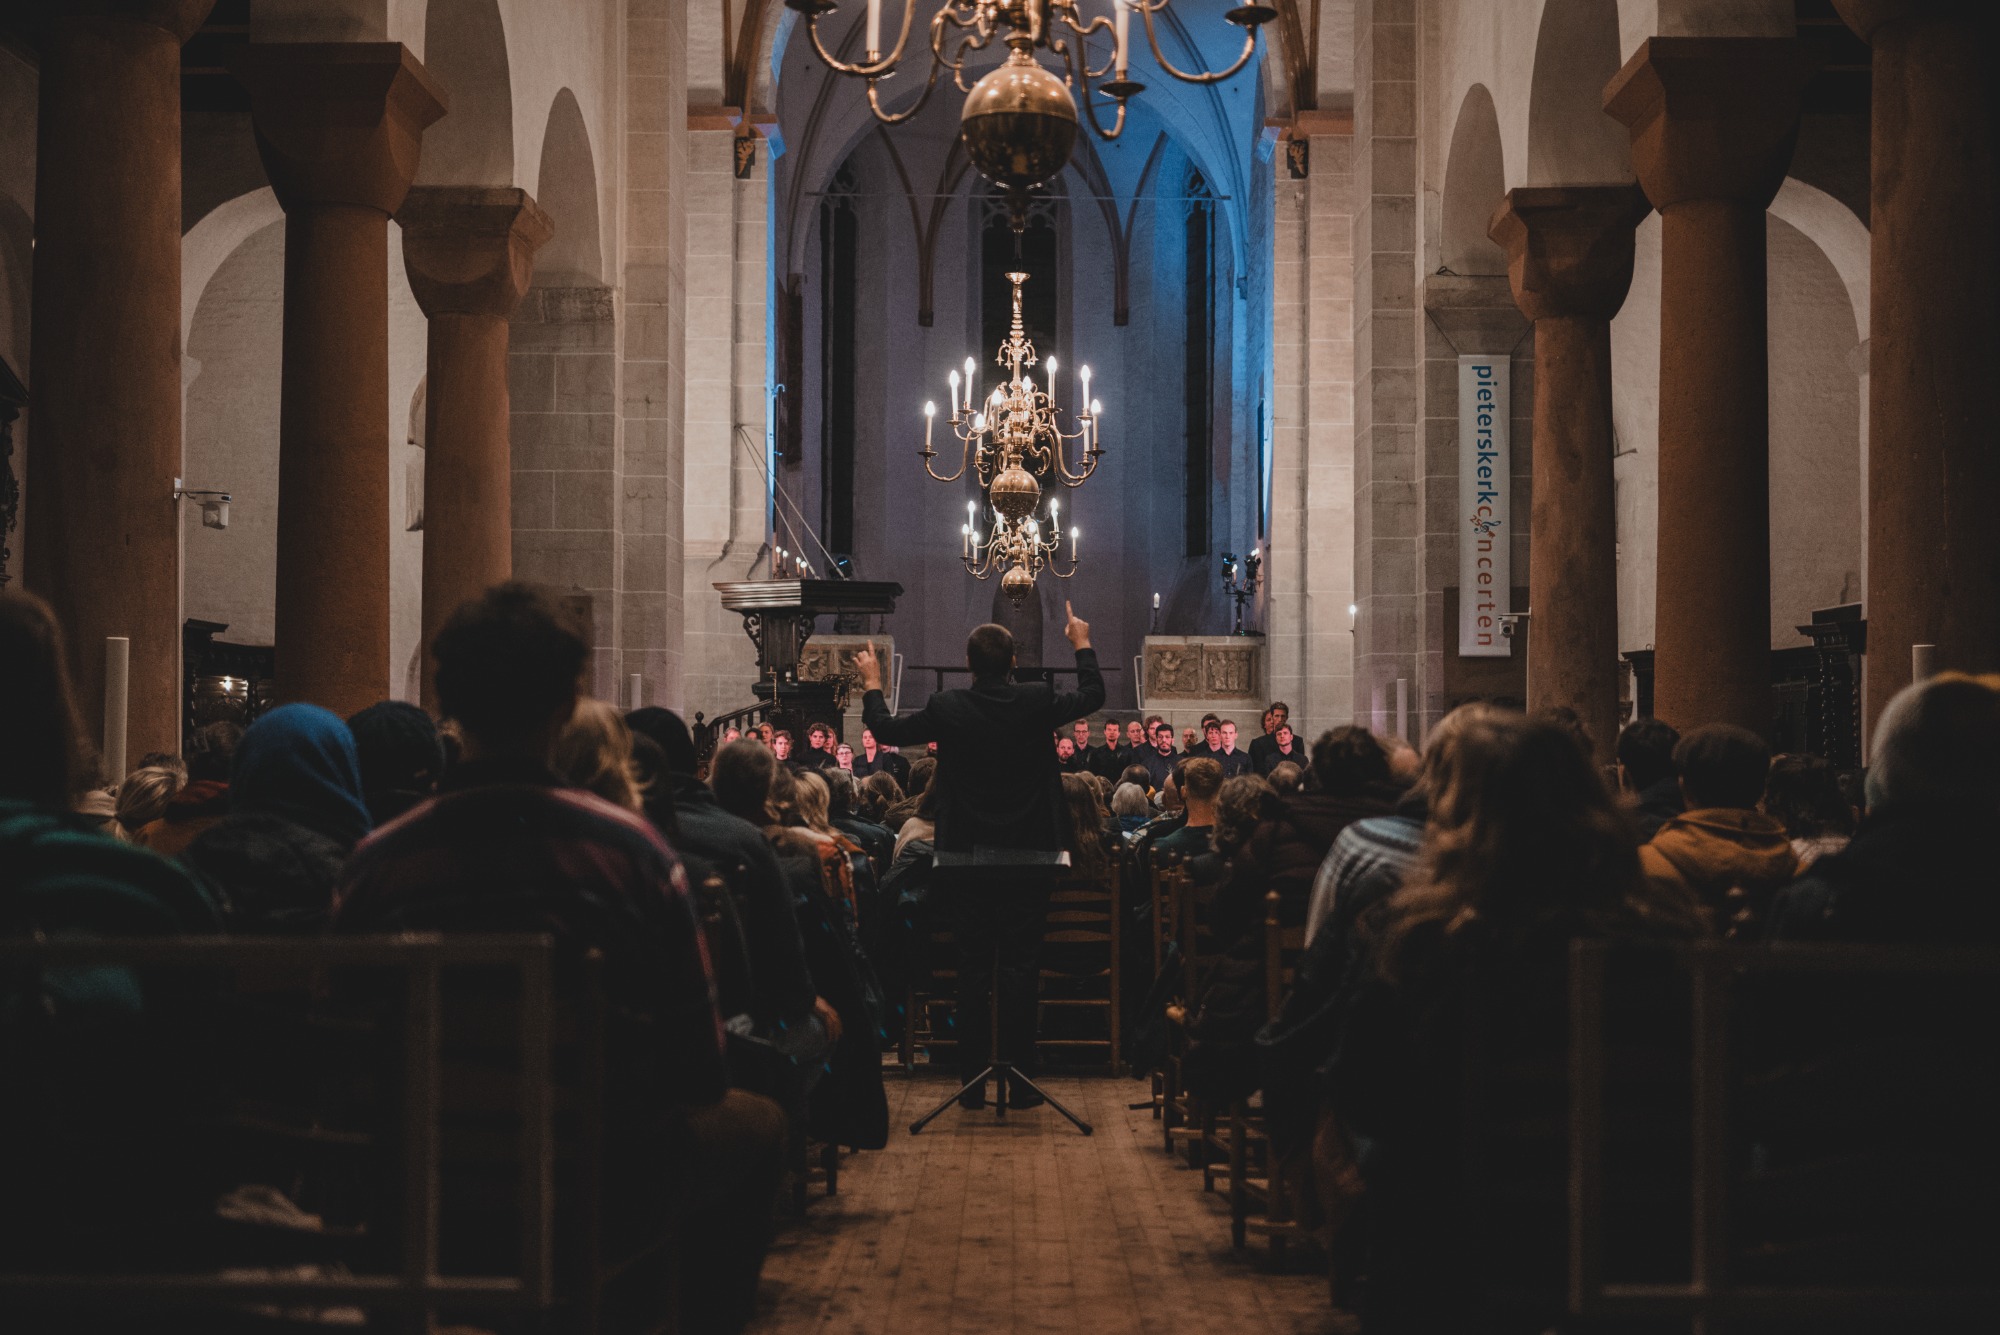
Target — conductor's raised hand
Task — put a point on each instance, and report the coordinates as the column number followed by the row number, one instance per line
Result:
column 1076, row 630
column 869, row 667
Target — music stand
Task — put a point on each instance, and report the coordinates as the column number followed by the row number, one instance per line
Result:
column 999, row 1067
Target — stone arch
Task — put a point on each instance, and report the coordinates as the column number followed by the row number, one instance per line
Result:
column 211, row 241
column 1840, row 235
column 1475, row 182
column 566, row 188
column 465, row 49
column 1570, row 139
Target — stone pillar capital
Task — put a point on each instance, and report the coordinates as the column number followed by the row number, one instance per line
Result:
column 1711, row 118
column 1868, row 17
column 469, row 249
column 339, row 123
column 1569, row 248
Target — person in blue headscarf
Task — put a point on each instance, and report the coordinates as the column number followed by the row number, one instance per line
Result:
column 295, row 812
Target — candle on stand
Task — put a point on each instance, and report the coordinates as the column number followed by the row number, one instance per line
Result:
column 1074, row 533
column 953, row 400
column 874, row 30
column 1123, row 10
column 930, row 418
column 970, row 367
column 1052, row 383
column 1083, row 374
column 965, row 534
column 1156, row 602
column 1096, row 427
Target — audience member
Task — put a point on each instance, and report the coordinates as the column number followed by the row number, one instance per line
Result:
column 1199, row 783
column 402, row 757
column 1130, row 807
column 295, row 813
column 1571, row 722
column 1919, row 869
column 843, row 758
column 780, row 743
column 59, row 875
column 819, row 748
column 876, row 758
column 594, row 753
column 1404, row 762
column 504, row 847
column 1525, row 851
column 1285, row 777
column 143, row 797
column 879, row 793
column 1138, row 775
column 843, row 813
column 1646, row 770
column 1802, row 793
column 1369, row 860
column 1086, row 839
column 705, row 825
column 921, row 774
column 1350, row 782
column 1729, row 856
column 202, row 804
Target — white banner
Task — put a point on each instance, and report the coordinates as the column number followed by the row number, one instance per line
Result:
column 1485, row 507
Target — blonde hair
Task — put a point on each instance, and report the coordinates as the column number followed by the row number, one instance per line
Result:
column 595, row 752
column 811, row 799
column 143, row 797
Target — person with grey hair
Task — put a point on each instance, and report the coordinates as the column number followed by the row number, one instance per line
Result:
column 1920, row 868
column 1131, row 807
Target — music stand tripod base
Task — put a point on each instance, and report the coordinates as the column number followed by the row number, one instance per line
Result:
column 1000, row 1069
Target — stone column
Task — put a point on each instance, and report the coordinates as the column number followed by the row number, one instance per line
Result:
column 1569, row 260
column 1713, row 120
column 103, row 528
column 470, row 254
column 1933, row 570
column 338, row 125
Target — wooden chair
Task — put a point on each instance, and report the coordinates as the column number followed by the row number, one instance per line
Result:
column 421, row 1106
column 1259, row 1194
column 1081, row 971
column 1190, row 1123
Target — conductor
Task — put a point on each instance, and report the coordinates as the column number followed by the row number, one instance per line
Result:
column 998, row 797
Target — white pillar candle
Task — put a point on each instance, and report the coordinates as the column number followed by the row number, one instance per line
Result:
column 1122, row 9
column 970, row 367
column 874, row 30
column 930, row 420
column 1052, row 383
column 117, row 678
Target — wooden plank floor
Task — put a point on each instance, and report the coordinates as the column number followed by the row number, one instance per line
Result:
column 984, row 1228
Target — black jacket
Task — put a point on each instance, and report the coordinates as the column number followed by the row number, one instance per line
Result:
column 997, row 784
column 783, row 984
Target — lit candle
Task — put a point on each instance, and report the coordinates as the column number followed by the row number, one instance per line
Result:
column 874, row 30
column 1096, row 426
column 1156, row 602
column 979, row 423
column 953, row 400
column 1084, row 375
column 970, row 367
column 930, row 418
column 1123, row 10
column 965, row 533
column 1052, row 382
column 1074, row 534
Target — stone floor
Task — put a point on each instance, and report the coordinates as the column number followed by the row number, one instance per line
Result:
column 977, row 1228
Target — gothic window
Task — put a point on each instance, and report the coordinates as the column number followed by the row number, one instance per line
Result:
column 838, row 230
column 1198, row 380
column 1004, row 251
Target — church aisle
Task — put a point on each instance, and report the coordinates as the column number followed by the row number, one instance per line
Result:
column 982, row 1228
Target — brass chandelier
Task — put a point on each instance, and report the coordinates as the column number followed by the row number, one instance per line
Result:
column 1019, row 122
column 1015, row 433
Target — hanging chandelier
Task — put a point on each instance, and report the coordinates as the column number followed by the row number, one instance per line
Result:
column 1020, row 120
column 1015, row 433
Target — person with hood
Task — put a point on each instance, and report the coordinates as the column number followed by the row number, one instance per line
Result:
column 295, row 813
column 402, row 757
column 1722, row 851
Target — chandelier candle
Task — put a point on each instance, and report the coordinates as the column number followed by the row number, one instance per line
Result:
column 1017, row 440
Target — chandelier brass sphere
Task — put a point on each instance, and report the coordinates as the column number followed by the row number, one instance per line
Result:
column 1015, row 493
column 1020, row 121
column 1019, row 124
